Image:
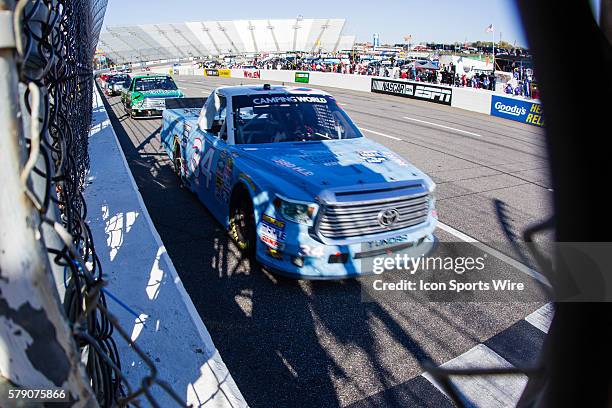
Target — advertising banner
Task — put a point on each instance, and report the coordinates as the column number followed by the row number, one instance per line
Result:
column 302, row 77
column 225, row 73
column 518, row 110
column 211, row 72
column 413, row 90
column 252, row 73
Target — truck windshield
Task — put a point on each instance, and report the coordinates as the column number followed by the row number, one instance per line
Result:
column 117, row 79
column 289, row 118
column 150, row 84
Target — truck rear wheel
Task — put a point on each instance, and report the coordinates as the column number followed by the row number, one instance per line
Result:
column 242, row 224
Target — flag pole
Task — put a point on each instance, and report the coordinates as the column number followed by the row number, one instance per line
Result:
column 493, row 50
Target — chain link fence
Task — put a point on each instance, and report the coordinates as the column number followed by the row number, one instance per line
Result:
column 54, row 44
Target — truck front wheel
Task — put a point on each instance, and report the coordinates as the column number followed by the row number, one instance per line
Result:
column 177, row 162
column 242, row 224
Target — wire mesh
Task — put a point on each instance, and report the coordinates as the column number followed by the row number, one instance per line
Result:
column 55, row 43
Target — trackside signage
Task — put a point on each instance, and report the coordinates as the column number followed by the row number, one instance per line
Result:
column 413, row 90
column 518, row 110
column 303, row 77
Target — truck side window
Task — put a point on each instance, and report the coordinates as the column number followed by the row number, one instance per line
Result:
column 221, row 113
column 219, row 126
column 223, row 132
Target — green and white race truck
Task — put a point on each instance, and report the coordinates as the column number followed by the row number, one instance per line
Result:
column 146, row 94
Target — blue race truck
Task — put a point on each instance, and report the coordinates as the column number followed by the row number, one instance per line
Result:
column 294, row 181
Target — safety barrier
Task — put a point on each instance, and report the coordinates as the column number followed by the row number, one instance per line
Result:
column 475, row 100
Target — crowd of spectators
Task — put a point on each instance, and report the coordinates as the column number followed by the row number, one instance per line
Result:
column 446, row 74
column 521, row 83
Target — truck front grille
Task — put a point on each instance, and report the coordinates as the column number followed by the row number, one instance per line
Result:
column 346, row 220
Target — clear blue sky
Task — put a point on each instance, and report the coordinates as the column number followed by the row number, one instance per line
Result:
column 426, row 20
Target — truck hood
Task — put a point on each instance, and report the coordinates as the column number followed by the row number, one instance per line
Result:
column 315, row 166
column 160, row 93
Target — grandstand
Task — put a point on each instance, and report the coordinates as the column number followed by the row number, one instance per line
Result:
column 212, row 38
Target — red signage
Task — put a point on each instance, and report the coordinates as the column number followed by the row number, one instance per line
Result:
column 252, row 73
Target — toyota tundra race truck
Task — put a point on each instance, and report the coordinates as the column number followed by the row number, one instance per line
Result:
column 294, row 181
column 146, row 94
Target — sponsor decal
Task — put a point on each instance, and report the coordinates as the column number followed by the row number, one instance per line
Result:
column 271, row 235
column 273, row 222
column 313, row 251
column 211, row 72
column 251, row 73
column 288, row 99
column 321, row 158
column 194, row 162
column 161, row 93
column 382, row 243
column 240, row 101
column 373, row 156
column 518, row 110
column 271, row 242
column 225, row 73
column 223, row 177
column 413, row 90
column 272, row 232
column 302, row 77
column 397, row 159
column 294, row 167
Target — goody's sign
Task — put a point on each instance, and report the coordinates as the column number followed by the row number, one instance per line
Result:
column 413, row 90
column 517, row 109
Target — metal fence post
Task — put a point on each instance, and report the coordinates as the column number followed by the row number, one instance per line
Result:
column 37, row 349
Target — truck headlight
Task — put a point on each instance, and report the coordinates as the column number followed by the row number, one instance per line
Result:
column 138, row 102
column 300, row 212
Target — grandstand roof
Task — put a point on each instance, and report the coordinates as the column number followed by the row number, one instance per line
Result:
column 201, row 38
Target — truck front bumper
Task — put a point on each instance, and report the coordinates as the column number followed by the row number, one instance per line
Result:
column 301, row 256
column 148, row 112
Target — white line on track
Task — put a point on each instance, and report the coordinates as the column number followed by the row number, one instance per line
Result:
column 380, row 134
column 443, row 126
column 484, row 390
column 542, row 318
column 495, row 253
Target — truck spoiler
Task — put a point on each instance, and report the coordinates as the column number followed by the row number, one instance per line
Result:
column 185, row 103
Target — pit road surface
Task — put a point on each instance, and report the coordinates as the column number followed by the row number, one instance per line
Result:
column 294, row 343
